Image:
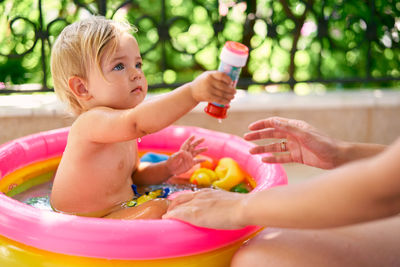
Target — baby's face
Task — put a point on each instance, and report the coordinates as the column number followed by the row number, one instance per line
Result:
column 125, row 85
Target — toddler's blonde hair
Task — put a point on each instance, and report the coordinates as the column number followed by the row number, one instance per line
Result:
column 80, row 46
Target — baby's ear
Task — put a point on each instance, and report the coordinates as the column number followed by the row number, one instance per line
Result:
column 78, row 88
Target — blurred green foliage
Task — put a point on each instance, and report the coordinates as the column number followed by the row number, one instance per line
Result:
column 291, row 41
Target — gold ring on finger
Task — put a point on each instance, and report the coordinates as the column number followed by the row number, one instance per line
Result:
column 283, row 146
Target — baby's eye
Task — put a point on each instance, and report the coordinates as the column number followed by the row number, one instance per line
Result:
column 139, row 65
column 119, row 66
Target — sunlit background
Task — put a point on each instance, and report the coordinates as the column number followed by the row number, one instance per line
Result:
column 305, row 46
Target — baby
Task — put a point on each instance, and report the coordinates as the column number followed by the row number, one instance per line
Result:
column 97, row 69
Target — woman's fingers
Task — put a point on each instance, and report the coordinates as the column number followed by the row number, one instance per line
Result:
column 294, row 127
column 182, row 198
column 282, row 124
column 265, row 123
column 279, row 128
column 264, row 134
column 187, row 197
column 270, row 148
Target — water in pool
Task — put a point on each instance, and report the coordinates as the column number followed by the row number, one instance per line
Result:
column 39, row 196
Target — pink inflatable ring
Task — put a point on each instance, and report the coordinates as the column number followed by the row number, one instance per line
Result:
column 30, row 235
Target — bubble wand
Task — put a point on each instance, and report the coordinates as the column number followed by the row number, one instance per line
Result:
column 233, row 57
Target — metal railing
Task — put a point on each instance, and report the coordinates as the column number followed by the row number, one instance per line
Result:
column 344, row 42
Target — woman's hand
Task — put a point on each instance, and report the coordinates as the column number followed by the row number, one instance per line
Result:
column 184, row 159
column 208, row 208
column 303, row 143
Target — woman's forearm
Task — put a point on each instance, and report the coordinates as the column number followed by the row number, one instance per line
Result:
column 354, row 193
column 348, row 151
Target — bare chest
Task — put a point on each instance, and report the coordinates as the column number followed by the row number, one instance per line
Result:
column 116, row 163
column 101, row 172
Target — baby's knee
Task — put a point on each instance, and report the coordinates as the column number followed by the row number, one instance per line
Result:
column 255, row 254
column 246, row 257
column 272, row 247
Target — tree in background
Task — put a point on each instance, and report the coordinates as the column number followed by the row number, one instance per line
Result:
column 295, row 44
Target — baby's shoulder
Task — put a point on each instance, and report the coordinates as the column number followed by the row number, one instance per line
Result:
column 90, row 116
column 93, row 113
column 81, row 126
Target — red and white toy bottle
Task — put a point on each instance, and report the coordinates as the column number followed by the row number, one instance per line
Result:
column 233, row 57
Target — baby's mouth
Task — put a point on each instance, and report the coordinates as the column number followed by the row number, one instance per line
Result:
column 137, row 89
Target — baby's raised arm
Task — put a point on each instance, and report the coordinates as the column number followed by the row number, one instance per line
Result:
column 106, row 125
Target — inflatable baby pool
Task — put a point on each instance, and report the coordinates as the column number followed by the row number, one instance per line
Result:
column 35, row 237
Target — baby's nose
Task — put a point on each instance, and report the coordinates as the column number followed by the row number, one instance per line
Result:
column 134, row 73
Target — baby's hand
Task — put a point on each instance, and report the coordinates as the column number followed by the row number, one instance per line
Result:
column 213, row 86
column 184, row 159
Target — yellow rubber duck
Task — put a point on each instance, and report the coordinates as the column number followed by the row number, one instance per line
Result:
column 203, row 177
column 226, row 175
column 229, row 174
